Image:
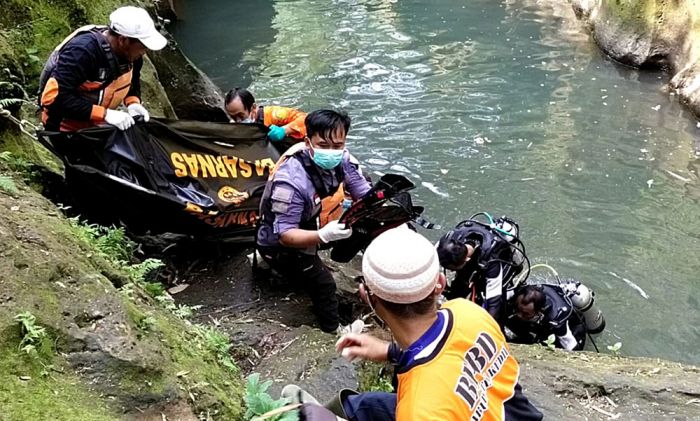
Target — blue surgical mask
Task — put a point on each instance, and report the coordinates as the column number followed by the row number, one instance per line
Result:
column 328, row 158
column 248, row 120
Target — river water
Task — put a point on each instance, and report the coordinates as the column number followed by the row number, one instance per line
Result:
column 499, row 106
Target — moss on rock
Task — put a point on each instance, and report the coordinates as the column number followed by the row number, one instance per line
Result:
column 107, row 363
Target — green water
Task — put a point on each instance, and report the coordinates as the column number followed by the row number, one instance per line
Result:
column 505, row 107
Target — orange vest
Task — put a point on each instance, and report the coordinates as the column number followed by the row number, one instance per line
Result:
column 283, row 116
column 468, row 376
column 102, row 96
column 331, row 206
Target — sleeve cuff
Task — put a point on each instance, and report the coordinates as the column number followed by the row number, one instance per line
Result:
column 131, row 100
column 98, row 113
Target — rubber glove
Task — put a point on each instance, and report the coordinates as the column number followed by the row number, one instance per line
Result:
column 334, row 231
column 119, row 119
column 137, row 109
column 276, row 133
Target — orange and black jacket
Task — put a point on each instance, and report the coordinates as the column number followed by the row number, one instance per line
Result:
column 283, row 117
column 85, row 80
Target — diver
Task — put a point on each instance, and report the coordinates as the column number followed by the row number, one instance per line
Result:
column 538, row 311
column 281, row 121
column 486, row 257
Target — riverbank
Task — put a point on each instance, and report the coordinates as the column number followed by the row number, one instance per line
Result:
column 270, row 325
column 650, row 34
column 113, row 346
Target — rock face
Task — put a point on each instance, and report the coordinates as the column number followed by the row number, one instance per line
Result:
column 588, row 386
column 650, row 33
column 108, row 353
column 191, row 93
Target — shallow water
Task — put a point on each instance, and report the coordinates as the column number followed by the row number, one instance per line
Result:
column 506, row 107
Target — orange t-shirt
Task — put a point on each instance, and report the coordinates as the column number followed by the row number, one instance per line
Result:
column 461, row 369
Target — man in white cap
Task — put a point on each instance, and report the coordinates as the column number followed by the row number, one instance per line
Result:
column 453, row 362
column 95, row 70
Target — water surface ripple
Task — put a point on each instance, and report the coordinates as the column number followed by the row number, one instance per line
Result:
column 500, row 106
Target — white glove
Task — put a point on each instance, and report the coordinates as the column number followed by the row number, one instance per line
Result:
column 334, row 231
column 136, row 109
column 119, row 119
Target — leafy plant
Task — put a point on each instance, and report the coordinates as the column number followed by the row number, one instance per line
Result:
column 549, row 343
column 139, row 271
column 615, row 349
column 32, row 57
column 8, row 185
column 154, row 289
column 34, row 335
column 183, row 311
column 15, row 163
column 114, row 243
column 383, row 384
column 219, row 344
column 260, row 402
column 9, row 102
column 146, row 324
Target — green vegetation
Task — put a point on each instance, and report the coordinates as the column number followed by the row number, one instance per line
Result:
column 615, row 349
column 12, row 166
column 260, row 402
column 59, row 276
column 8, row 185
column 549, row 343
column 217, row 343
column 374, row 377
column 32, row 28
column 34, row 336
column 30, row 390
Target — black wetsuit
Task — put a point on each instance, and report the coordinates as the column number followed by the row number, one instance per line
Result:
column 559, row 319
column 486, row 275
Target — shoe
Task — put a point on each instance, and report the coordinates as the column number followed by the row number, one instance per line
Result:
column 296, row 394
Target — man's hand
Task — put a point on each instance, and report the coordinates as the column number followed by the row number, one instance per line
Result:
column 366, row 347
column 334, row 231
column 119, row 119
column 137, row 109
column 276, row 133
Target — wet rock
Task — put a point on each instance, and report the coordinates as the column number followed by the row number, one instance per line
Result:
column 165, row 9
column 191, row 93
column 646, row 33
column 585, row 386
column 153, row 94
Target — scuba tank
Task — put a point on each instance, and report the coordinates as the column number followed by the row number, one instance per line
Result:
column 583, row 300
column 510, row 231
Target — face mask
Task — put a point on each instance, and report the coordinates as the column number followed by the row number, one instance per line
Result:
column 328, row 158
column 248, row 120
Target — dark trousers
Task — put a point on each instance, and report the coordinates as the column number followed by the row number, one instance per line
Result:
column 381, row 406
column 377, row 406
column 309, row 272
